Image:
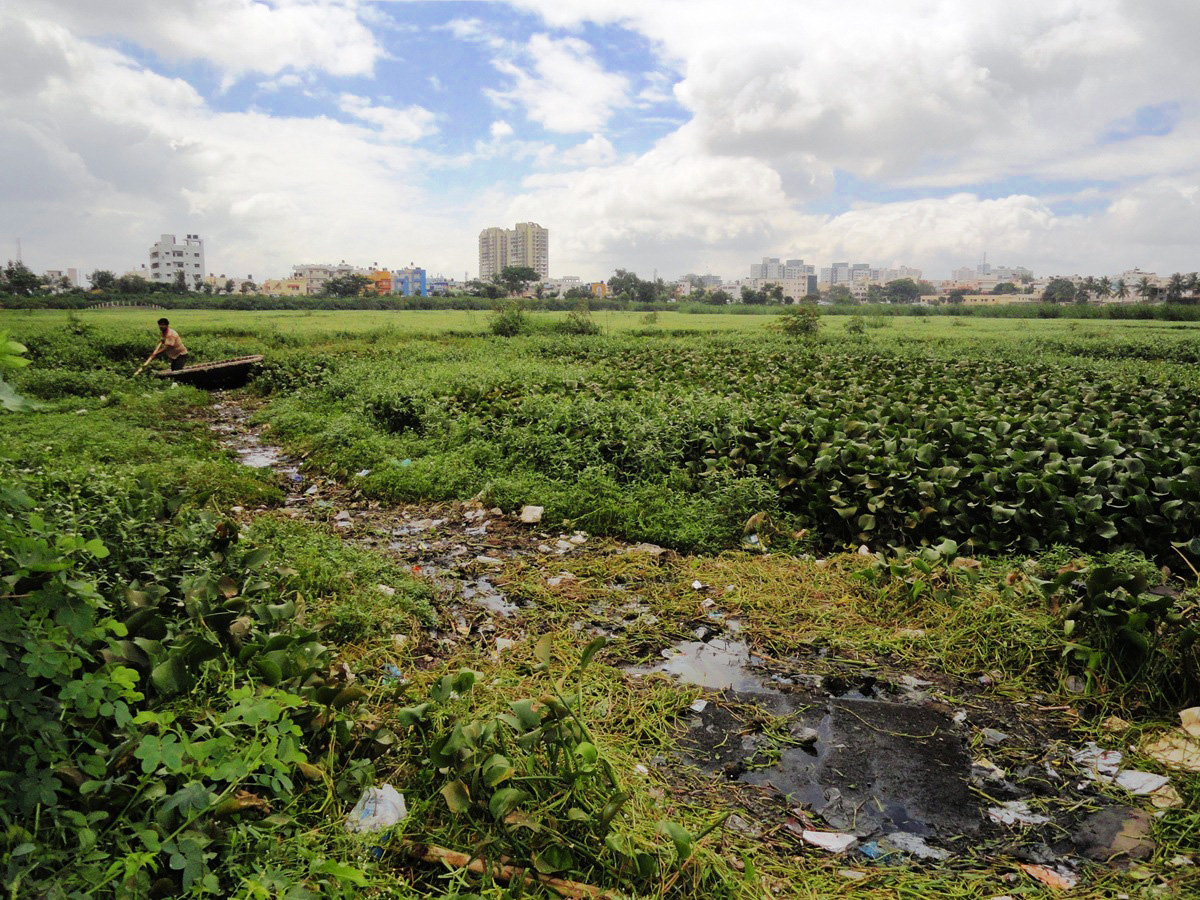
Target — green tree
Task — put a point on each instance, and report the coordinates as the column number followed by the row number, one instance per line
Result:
column 958, row 295
column 179, row 284
column 1145, row 289
column 752, row 297
column 927, row 288
column 249, row 287
column 720, row 297
column 903, row 290
column 1059, row 290
column 1005, row 287
column 1175, row 286
column 577, row 293
column 1121, row 289
column 1104, row 287
column 623, row 284
column 17, row 278
column 514, row 278
column 839, row 293
column 876, row 294
column 229, row 285
column 776, row 293
column 102, row 280
column 351, row 285
column 133, row 285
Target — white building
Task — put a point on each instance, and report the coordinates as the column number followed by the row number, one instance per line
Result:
column 168, row 258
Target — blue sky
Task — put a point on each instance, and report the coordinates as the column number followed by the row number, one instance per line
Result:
column 673, row 136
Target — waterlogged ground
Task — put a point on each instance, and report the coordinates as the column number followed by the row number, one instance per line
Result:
column 853, row 744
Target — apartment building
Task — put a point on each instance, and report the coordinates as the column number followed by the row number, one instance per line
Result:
column 168, row 258
column 525, row 244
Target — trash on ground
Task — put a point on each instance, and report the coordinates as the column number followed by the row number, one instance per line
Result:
column 377, row 809
column 386, row 589
column 1059, row 878
column 698, row 706
column 1140, row 782
column 1115, row 725
column 531, row 515
column 363, row 473
column 1115, row 833
column 914, row 845
column 833, row 841
column 1175, row 750
column 1166, row 797
column 1016, row 812
column 1098, row 763
column 1190, row 720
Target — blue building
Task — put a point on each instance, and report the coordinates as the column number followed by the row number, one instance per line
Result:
column 409, row 282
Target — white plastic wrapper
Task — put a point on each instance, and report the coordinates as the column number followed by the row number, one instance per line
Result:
column 377, row 809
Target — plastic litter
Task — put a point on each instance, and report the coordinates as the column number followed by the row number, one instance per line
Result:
column 1016, row 812
column 1175, row 750
column 363, row 473
column 914, row 845
column 531, row 515
column 1189, row 720
column 833, row 841
column 377, row 809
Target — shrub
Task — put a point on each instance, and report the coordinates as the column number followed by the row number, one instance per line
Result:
column 509, row 320
column 800, row 321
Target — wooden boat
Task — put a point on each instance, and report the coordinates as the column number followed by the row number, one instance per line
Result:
column 227, row 373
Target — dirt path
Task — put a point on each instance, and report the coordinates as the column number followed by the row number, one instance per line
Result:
column 900, row 767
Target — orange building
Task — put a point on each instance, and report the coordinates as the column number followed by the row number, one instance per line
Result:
column 381, row 281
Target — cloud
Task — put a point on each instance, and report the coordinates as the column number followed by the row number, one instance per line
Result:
column 563, row 88
column 400, row 125
column 104, row 155
column 234, row 36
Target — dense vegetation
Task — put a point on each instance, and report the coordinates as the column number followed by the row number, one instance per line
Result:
column 194, row 697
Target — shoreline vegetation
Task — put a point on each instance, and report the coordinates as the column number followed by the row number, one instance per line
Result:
column 78, row 301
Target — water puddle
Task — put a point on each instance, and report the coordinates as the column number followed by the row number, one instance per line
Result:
column 865, row 765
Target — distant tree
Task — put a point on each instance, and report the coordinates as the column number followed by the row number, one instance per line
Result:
column 179, row 283
column 1082, row 294
column 1121, row 289
column 958, row 295
column 776, row 293
column 876, row 294
column 1005, row 287
column 206, row 288
column 539, row 290
column 132, row 285
column 1175, row 285
column 752, row 296
column 18, row 278
column 927, row 288
column 720, row 297
column 1059, row 290
column 577, row 293
column 1145, row 289
column 102, row 280
column 623, row 284
column 249, row 287
column 903, row 290
column 839, row 293
column 229, row 285
column 1104, row 287
column 351, row 285
column 487, row 289
column 514, row 278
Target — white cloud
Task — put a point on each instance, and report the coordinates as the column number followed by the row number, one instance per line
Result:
column 236, row 36
column 595, row 151
column 103, row 156
column 564, row 88
column 401, row 125
column 500, row 129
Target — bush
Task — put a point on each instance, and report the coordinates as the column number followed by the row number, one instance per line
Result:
column 800, row 321
column 509, row 320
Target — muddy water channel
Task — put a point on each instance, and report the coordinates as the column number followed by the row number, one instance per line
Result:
column 879, row 764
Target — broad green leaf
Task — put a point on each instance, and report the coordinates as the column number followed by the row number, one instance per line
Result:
column 457, row 797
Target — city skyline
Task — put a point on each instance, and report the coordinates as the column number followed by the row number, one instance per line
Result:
column 677, row 137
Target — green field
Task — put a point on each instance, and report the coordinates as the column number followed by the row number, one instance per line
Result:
column 1005, row 509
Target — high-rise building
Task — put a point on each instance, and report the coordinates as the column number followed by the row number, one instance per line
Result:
column 167, row 258
column 526, row 244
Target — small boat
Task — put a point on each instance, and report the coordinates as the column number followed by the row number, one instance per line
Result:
column 228, row 373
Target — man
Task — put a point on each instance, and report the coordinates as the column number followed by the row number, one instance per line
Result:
column 172, row 345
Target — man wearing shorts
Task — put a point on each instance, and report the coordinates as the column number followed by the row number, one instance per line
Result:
column 172, row 345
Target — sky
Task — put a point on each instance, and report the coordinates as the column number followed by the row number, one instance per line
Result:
column 660, row 136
